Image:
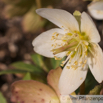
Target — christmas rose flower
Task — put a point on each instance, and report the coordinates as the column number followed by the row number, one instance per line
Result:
column 36, row 92
column 95, row 8
column 76, row 38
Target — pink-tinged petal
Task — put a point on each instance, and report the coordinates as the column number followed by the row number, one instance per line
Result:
column 59, row 17
column 33, row 92
column 88, row 27
column 43, row 43
column 53, row 79
column 71, row 79
column 96, row 63
column 96, row 10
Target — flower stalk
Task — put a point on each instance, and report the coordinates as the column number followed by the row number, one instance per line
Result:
column 38, row 2
column 82, row 88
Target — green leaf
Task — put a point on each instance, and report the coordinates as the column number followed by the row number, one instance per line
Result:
column 2, row 98
column 33, row 22
column 27, row 67
column 12, row 71
column 40, row 78
column 27, row 76
column 39, row 61
column 90, row 82
column 17, row 7
column 36, row 73
column 96, row 90
column 56, row 63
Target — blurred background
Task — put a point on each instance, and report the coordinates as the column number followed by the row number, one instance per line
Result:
column 19, row 25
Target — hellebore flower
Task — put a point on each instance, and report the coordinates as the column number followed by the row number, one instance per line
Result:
column 76, row 40
column 95, row 8
column 35, row 92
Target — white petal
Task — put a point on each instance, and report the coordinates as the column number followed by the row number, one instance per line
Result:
column 96, row 10
column 71, row 79
column 61, row 55
column 60, row 18
column 89, row 28
column 96, row 64
column 42, row 43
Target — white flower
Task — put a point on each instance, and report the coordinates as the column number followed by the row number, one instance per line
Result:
column 78, row 42
column 96, row 9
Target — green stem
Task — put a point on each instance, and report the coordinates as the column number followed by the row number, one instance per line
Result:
column 38, row 2
column 82, row 89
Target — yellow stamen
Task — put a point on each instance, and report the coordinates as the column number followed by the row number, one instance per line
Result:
column 85, row 61
column 75, row 62
column 81, row 78
column 72, row 66
column 62, row 65
column 75, row 49
column 56, row 58
column 80, row 62
column 52, row 44
column 83, row 65
column 63, row 61
column 57, row 34
column 69, row 61
column 68, row 67
column 68, row 53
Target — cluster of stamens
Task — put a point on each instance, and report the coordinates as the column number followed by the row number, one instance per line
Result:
column 75, row 45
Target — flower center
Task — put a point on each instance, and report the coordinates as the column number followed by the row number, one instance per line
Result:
column 76, row 45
